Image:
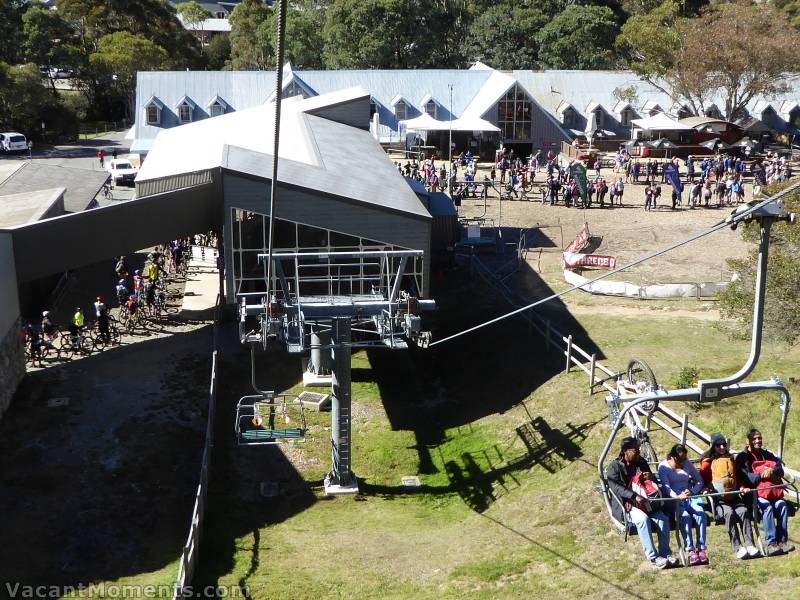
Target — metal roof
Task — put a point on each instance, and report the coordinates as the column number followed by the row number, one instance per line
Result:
column 82, row 185
column 316, row 153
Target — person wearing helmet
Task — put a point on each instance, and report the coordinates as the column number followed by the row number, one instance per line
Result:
column 99, row 307
column 75, row 327
column 153, row 271
column 137, row 282
column 122, row 292
column 49, row 328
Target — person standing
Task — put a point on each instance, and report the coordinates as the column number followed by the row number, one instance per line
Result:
column 101, row 157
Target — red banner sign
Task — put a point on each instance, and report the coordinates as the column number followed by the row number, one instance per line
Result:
column 581, row 240
column 597, row 261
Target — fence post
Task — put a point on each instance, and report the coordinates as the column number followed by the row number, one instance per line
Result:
column 569, row 351
column 684, row 427
column 591, row 374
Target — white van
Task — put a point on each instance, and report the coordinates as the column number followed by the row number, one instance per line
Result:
column 13, row 141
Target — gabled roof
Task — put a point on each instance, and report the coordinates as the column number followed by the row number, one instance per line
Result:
column 788, row 106
column 760, row 106
column 652, row 105
column 592, row 106
column 398, row 99
column 323, row 155
column 217, row 100
column 155, row 101
column 186, row 100
column 427, row 98
column 622, row 105
column 563, row 106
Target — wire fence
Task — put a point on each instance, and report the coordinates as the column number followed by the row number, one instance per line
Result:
column 190, row 552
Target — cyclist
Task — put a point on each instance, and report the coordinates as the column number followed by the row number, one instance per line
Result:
column 122, row 292
column 49, row 329
column 101, row 312
column 76, row 326
column 150, row 295
column 153, row 270
column 121, row 267
column 34, row 340
column 133, row 307
column 137, row 283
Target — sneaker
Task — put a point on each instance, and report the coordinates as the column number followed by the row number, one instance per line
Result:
column 786, row 547
column 774, row 550
column 753, row 552
column 672, row 562
column 659, row 562
column 694, row 559
column 742, row 552
column 702, row 557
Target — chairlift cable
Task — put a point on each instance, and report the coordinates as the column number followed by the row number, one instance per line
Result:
column 730, row 220
column 278, row 97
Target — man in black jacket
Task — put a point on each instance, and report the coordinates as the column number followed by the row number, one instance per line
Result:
column 750, row 471
column 643, row 516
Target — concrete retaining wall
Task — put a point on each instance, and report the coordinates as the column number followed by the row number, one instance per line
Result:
column 12, row 365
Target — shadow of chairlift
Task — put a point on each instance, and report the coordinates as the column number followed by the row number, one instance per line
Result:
column 269, row 419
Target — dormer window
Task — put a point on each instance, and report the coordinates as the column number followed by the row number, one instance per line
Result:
column 568, row 117
column 152, row 111
column 599, row 117
column 626, row 116
column 153, row 115
column 185, row 109
column 216, row 107
column 400, row 110
column 430, row 108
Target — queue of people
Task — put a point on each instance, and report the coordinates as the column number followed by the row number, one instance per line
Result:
column 739, row 487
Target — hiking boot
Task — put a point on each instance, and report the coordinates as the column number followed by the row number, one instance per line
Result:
column 694, row 559
column 702, row 557
column 753, row 552
column 774, row 550
column 786, row 547
column 659, row 562
column 741, row 553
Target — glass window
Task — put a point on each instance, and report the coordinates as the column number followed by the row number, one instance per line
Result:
column 400, row 110
column 152, row 115
column 514, row 115
column 217, row 109
column 599, row 117
column 185, row 113
column 430, row 108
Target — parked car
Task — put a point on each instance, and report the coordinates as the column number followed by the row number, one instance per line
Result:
column 57, row 73
column 11, row 141
column 121, row 171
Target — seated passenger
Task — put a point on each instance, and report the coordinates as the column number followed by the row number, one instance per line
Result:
column 620, row 473
column 757, row 468
column 680, row 479
column 719, row 473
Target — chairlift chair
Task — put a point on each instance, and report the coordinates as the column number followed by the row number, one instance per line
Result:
column 270, row 419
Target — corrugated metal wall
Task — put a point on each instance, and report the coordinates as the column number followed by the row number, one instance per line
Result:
column 151, row 187
column 79, row 239
column 355, row 114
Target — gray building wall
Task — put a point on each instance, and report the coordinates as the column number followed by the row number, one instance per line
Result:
column 354, row 113
column 12, row 356
column 326, row 212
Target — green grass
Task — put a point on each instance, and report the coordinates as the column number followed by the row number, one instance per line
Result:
column 489, row 521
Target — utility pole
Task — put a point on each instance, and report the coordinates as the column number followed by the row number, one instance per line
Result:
column 450, row 145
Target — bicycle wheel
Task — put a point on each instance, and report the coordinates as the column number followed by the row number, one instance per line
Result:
column 50, row 352
column 641, row 376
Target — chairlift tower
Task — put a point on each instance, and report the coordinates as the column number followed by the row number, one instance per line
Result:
column 334, row 295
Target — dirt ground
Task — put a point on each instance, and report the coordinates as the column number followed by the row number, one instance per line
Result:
column 627, row 233
column 99, row 456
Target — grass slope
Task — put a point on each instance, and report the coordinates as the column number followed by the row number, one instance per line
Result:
column 494, row 518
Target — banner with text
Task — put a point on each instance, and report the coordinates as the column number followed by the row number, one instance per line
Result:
column 597, row 261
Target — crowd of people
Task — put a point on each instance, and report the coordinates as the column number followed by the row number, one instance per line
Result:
column 737, row 487
column 709, row 181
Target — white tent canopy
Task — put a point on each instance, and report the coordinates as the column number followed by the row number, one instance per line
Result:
column 425, row 122
column 660, row 122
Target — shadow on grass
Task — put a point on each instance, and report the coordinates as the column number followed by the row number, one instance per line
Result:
column 237, row 510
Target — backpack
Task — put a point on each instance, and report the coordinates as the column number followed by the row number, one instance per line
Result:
column 772, row 494
column 645, row 488
column 723, row 474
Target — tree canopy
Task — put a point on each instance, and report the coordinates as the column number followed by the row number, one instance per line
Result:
column 579, row 37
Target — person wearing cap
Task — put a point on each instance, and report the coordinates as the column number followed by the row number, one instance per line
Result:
column 734, row 508
column 619, row 474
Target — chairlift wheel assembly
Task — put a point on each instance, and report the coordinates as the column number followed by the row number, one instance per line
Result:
column 641, row 376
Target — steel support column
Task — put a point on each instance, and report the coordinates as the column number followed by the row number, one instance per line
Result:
column 341, row 479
